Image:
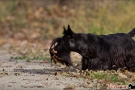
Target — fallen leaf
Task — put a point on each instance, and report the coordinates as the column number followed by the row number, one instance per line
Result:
column 16, row 74
column 56, row 73
column 88, row 82
column 69, row 88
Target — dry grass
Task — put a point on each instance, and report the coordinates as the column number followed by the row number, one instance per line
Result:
column 87, row 16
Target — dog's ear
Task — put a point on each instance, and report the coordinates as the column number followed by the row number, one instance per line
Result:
column 70, row 32
column 64, row 30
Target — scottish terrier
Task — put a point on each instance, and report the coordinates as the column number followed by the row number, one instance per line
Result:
column 99, row 52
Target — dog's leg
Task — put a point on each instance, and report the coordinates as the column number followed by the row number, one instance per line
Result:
column 84, row 63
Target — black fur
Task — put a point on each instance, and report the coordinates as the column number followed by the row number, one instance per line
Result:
column 101, row 52
column 62, row 55
column 132, row 33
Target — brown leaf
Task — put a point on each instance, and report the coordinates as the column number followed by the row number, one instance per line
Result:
column 88, row 82
column 16, row 74
column 56, row 73
column 69, row 88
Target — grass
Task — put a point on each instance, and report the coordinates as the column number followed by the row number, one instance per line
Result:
column 103, row 18
column 107, row 77
column 102, row 79
column 29, row 58
column 98, row 75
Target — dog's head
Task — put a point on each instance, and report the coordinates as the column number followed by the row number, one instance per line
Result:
column 74, row 41
column 69, row 38
column 59, row 53
column 80, row 42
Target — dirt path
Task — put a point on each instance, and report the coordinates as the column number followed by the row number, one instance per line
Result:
column 36, row 75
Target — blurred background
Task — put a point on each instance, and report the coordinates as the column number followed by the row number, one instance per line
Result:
column 28, row 26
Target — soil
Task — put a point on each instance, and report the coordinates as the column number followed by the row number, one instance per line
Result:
column 37, row 75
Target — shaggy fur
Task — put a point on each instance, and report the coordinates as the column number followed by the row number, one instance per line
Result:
column 59, row 53
column 100, row 52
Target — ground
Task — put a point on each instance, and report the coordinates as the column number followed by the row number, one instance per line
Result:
column 36, row 75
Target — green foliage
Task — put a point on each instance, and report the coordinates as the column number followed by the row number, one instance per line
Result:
column 98, row 75
column 114, row 78
column 106, row 76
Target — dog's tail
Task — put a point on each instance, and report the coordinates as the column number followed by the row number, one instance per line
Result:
column 132, row 33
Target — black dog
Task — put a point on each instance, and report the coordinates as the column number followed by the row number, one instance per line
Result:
column 100, row 52
column 59, row 53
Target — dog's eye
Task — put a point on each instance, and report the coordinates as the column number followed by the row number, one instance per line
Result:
column 72, row 40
